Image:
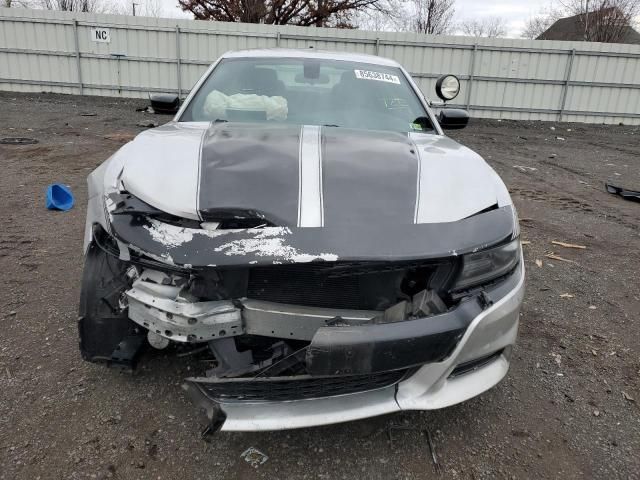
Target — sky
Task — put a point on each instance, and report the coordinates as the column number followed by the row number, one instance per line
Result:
column 514, row 12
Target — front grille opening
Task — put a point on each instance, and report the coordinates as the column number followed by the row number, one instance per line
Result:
column 347, row 285
column 300, row 387
column 472, row 365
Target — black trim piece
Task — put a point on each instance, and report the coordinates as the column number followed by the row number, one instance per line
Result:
column 485, row 210
column 99, row 235
column 127, row 204
column 106, row 334
column 361, row 242
column 632, row 195
column 475, row 364
column 375, row 348
column 287, row 388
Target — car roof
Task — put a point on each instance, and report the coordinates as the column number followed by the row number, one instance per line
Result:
column 310, row 53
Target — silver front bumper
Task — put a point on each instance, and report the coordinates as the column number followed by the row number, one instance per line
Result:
column 430, row 387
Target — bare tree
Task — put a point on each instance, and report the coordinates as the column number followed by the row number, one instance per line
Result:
column 433, row 16
column 71, row 5
column 96, row 6
column 491, row 27
column 597, row 20
column 541, row 21
column 335, row 13
column 388, row 15
column 603, row 20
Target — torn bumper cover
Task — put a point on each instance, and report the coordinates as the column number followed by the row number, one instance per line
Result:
column 477, row 359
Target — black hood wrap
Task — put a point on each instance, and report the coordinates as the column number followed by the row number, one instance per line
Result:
column 250, row 167
column 198, row 248
column 367, row 176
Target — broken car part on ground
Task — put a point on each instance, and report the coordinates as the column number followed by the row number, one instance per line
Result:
column 304, row 223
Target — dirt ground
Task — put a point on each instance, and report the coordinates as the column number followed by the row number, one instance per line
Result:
column 569, row 407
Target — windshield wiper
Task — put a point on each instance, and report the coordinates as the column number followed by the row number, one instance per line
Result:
column 330, row 125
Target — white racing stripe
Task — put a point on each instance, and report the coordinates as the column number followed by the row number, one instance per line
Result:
column 419, row 180
column 310, row 203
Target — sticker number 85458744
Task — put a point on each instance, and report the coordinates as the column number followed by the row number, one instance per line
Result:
column 379, row 76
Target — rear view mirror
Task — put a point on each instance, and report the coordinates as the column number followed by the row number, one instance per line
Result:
column 164, row 103
column 453, row 118
column 311, row 69
column 322, row 79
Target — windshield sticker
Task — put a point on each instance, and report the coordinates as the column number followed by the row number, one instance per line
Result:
column 396, row 103
column 379, row 76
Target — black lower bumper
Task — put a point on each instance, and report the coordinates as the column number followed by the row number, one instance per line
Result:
column 382, row 347
column 364, row 349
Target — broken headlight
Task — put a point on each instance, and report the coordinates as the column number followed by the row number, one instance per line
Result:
column 482, row 267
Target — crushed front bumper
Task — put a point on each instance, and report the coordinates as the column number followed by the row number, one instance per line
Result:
column 479, row 360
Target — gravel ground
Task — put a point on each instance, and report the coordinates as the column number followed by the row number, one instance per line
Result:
column 569, row 407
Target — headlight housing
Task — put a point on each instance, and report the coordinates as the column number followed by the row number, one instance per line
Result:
column 487, row 265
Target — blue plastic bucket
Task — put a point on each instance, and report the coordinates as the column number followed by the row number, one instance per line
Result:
column 59, row 197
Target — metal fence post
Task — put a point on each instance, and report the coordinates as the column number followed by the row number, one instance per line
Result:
column 78, row 68
column 472, row 69
column 277, row 39
column 178, row 61
column 567, row 79
column 377, row 46
column 118, row 56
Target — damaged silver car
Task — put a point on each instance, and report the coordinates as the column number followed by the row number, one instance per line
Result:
column 305, row 224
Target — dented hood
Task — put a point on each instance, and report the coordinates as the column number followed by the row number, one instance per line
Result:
column 308, row 176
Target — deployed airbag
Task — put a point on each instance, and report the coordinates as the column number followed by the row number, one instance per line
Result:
column 217, row 104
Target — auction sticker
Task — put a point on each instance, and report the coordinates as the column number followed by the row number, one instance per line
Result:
column 379, row 76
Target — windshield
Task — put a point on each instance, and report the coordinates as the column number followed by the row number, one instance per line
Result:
column 308, row 91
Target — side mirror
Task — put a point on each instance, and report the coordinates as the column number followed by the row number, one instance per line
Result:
column 453, row 118
column 164, row 103
column 447, row 87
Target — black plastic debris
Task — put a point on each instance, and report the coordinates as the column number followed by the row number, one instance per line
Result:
column 632, row 195
column 18, row 141
column 147, row 124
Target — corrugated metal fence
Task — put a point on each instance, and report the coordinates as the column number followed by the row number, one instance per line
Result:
column 501, row 78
